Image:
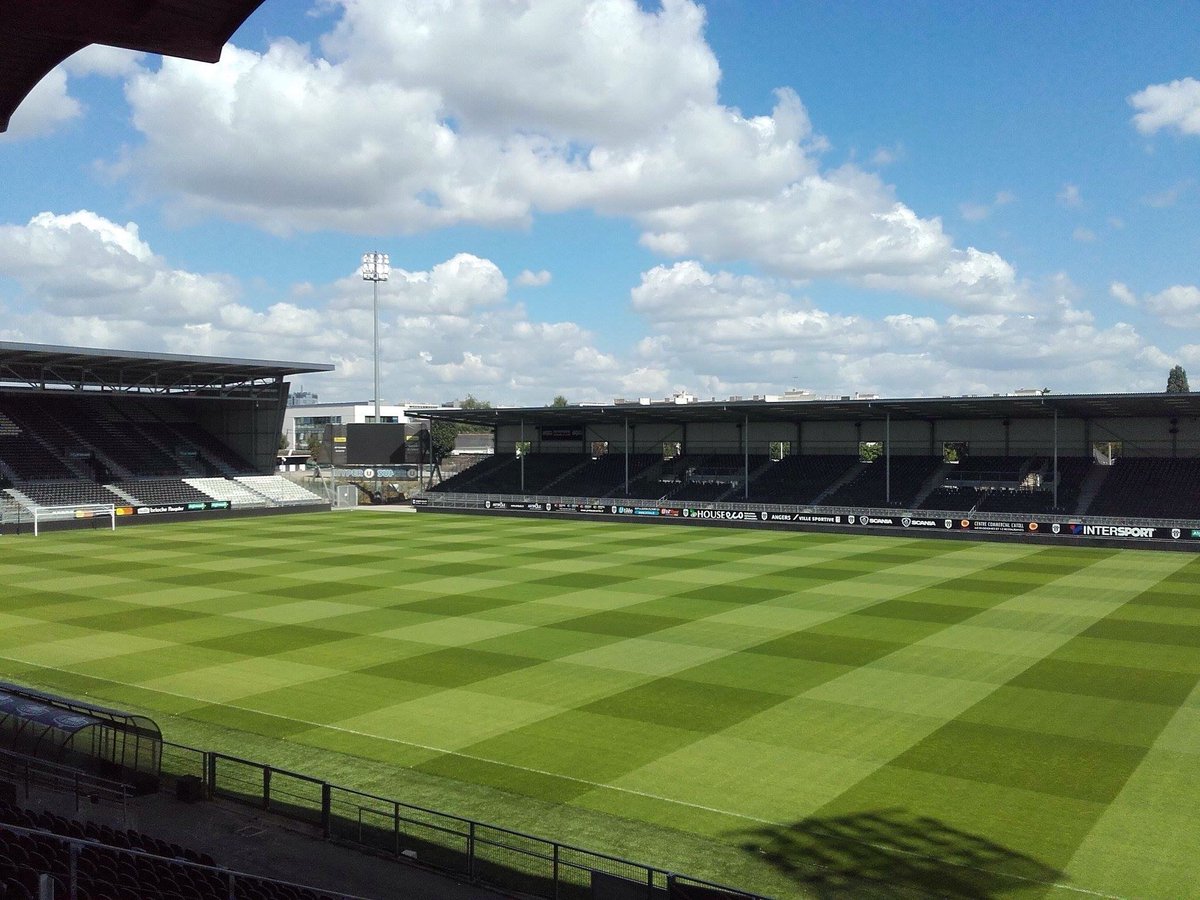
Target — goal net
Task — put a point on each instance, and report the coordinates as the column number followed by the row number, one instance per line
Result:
column 73, row 511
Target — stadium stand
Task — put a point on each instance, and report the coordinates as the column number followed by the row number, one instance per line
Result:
column 1010, row 485
column 953, row 499
column 799, row 479
column 230, row 491
column 869, row 488
column 162, row 490
column 1148, row 488
column 998, row 469
column 66, row 493
column 462, row 481
column 502, row 475
column 604, row 476
column 111, row 864
column 278, row 489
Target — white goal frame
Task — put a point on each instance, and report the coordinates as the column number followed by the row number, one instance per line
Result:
column 73, row 511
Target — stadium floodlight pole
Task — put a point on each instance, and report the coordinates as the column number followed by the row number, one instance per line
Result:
column 375, row 268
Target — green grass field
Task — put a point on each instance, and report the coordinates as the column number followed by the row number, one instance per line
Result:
column 785, row 712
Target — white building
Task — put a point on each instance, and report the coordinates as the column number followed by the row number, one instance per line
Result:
column 300, row 423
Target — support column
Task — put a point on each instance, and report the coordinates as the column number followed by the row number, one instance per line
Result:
column 887, row 452
column 627, row 456
column 746, row 457
column 1056, row 459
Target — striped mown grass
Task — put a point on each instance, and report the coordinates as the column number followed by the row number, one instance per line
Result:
column 794, row 713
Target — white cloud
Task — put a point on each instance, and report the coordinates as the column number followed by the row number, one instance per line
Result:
column 1172, row 106
column 83, row 264
column 974, row 212
column 1178, row 305
column 529, row 278
column 583, row 104
column 1122, row 294
column 1070, row 196
column 1083, row 235
column 446, row 331
column 47, row 107
column 109, row 62
column 1168, row 196
column 453, row 329
column 885, row 156
column 749, row 335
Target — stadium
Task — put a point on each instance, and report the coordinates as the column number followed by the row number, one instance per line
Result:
column 937, row 648
column 751, row 648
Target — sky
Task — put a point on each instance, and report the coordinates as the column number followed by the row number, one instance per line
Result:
column 607, row 198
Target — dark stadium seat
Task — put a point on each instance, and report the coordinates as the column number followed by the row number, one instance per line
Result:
column 870, row 487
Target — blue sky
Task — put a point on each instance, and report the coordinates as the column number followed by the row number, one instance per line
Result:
column 600, row 198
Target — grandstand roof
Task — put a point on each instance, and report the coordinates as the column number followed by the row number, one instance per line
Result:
column 1078, row 406
column 127, row 371
column 36, row 37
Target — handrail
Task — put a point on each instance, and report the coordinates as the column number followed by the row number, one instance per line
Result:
column 77, row 845
column 336, row 801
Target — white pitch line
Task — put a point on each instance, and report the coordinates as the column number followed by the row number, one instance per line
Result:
column 596, row 784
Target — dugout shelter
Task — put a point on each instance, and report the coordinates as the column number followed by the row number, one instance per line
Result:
column 115, row 745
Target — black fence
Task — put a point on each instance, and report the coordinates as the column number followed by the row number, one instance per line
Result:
column 487, row 854
column 75, row 864
column 24, row 772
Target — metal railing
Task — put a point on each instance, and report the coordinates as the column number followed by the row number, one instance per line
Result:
column 27, row 771
column 71, row 875
column 487, row 854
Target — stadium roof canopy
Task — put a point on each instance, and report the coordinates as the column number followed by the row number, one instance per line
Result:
column 43, row 367
column 37, row 35
column 1075, row 406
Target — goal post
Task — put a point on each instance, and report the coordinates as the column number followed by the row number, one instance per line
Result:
column 73, row 511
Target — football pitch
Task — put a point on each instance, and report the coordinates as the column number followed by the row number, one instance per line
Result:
column 801, row 714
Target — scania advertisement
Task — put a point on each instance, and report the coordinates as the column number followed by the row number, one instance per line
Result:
column 899, row 521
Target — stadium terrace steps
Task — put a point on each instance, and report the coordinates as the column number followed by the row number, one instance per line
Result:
column 1092, row 485
column 155, row 491
column 230, row 491
column 932, row 483
column 64, row 493
column 279, row 489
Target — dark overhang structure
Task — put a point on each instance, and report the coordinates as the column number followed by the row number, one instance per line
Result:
column 49, row 368
column 37, row 35
column 1041, row 406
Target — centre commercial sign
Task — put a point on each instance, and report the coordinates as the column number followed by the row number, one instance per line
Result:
column 1078, row 530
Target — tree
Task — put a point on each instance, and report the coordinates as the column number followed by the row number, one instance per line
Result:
column 441, row 439
column 442, row 434
column 559, row 401
column 284, row 443
column 316, row 449
column 1177, row 382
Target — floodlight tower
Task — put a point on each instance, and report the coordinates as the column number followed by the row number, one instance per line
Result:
column 375, row 268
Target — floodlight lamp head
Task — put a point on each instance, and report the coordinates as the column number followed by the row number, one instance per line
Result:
column 376, row 266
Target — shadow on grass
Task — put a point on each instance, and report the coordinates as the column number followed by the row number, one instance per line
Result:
column 891, row 854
